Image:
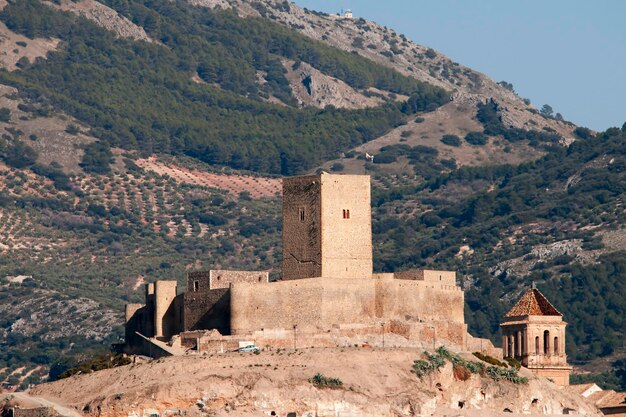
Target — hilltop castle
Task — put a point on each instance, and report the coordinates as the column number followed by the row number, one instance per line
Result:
column 328, row 294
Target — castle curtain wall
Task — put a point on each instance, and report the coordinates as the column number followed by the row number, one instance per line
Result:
column 321, row 303
column 207, row 310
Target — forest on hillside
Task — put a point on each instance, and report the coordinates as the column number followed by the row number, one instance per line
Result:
column 140, row 95
column 571, row 194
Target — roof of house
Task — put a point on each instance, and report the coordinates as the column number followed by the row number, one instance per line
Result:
column 615, row 399
column 599, row 396
column 581, row 388
column 533, row 303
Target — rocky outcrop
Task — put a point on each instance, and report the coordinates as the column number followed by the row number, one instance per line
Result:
column 310, row 87
column 374, row 383
column 105, row 17
column 60, row 315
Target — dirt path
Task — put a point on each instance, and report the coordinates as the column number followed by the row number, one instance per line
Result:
column 42, row 402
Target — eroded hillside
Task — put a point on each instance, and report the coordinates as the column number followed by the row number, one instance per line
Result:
column 374, row 382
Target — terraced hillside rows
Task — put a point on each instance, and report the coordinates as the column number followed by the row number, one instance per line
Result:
column 70, row 258
column 70, row 235
column 254, row 186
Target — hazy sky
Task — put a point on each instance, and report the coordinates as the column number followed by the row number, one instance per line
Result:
column 570, row 54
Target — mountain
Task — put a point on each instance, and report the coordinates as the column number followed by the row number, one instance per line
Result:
column 142, row 139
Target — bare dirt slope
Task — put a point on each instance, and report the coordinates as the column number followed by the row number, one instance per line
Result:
column 30, row 401
column 375, row 383
column 47, row 134
column 450, row 119
column 257, row 187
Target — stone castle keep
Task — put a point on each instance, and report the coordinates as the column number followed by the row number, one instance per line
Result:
column 328, row 294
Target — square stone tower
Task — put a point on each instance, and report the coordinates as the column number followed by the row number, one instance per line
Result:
column 327, row 227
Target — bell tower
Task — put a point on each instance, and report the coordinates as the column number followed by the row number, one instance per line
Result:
column 533, row 332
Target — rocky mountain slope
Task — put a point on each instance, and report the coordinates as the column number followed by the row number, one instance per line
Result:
column 378, row 44
column 385, row 46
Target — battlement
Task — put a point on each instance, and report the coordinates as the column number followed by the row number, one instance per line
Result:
column 427, row 275
column 202, row 281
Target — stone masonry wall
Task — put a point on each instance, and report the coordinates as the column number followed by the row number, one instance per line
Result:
column 165, row 308
column 346, row 226
column 148, row 322
column 199, row 282
column 207, row 299
column 417, row 300
column 207, row 310
column 320, row 304
column 426, row 275
column 280, row 304
column 423, row 335
column 302, row 227
column 137, row 319
column 221, row 278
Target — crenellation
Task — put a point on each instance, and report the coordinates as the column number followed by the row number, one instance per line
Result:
column 447, row 278
column 221, row 278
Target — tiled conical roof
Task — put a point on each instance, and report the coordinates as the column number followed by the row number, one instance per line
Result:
column 533, row 303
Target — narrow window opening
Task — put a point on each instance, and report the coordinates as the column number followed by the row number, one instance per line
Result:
column 346, row 214
column 301, row 214
column 196, row 285
column 556, row 345
column 546, row 342
column 537, row 345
